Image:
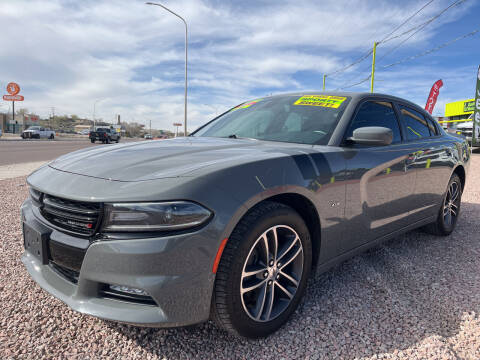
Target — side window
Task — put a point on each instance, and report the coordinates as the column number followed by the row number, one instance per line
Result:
column 415, row 123
column 42, row 129
column 376, row 113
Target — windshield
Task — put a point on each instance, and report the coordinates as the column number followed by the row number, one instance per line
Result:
column 305, row 119
column 102, row 130
column 34, row 128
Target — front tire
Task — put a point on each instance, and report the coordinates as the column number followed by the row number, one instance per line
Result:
column 450, row 209
column 263, row 272
column 52, row 137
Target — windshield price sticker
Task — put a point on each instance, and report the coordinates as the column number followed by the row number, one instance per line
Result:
column 246, row 104
column 321, row 100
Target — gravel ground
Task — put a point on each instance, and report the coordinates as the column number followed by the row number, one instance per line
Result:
column 16, row 170
column 415, row 297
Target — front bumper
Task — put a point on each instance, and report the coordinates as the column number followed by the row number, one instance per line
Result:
column 29, row 135
column 174, row 270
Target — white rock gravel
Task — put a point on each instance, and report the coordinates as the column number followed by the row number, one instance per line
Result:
column 15, row 170
column 416, row 297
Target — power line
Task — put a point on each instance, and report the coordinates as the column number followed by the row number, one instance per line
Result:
column 368, row 53
column 417, row 28
column 359, row 60
column 409, row 58
column 355, row 84
column 403, row 23
column 421, row 27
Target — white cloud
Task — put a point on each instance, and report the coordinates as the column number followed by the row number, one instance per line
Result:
column 67, row 53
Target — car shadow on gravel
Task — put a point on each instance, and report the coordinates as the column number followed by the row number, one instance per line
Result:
column 393, row 297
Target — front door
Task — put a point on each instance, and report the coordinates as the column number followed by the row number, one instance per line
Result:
column 380, row 179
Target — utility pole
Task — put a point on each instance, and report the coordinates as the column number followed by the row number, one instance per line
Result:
column 13, row 115
column 52, row 117
column 372, row 77
column 150, row 127
column 324, row 77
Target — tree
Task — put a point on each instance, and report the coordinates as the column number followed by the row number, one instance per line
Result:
column 22, row 111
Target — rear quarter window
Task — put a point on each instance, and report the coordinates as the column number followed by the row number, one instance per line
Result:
column 416, row 124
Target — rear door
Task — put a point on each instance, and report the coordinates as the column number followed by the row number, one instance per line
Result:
column 432, row 160
column 380, row 183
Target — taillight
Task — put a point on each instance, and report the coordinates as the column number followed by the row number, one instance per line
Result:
column 104, row 134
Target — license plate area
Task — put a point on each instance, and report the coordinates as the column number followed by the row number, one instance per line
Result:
column 36, row 243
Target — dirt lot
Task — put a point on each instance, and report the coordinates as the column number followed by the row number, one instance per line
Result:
column 415, row 297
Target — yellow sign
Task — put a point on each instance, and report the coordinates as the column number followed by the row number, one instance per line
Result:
column 321, row 100
column 462, row 107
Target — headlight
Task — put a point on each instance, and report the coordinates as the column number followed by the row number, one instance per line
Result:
column 154, row 216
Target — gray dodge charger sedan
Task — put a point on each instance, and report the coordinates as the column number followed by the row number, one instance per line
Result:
column 229, row 222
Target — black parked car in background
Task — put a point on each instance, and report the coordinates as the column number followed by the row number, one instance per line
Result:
column 105, row 135
column 228, row 223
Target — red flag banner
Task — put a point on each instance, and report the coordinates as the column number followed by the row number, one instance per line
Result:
column 432, row 98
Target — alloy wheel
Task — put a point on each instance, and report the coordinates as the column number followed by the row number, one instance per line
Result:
column 451, row 204
column 271, row 273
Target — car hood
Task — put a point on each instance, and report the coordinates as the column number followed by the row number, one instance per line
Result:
column 158, row 159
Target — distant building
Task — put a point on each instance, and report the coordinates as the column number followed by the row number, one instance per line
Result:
column 459, row 110
column 119, row 128
column 457, row 113
column 21, row 122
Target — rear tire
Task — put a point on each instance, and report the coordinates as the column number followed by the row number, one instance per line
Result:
column 449, row 211
column 92, row 141
column 52, row 137
column 253, row 296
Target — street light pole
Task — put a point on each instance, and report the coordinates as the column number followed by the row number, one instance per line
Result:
column 186, row 56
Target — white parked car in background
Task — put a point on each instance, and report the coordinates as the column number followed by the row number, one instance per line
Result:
column 38, row 132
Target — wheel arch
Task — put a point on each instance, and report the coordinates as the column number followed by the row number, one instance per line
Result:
column 298, row 202
column 460, row 171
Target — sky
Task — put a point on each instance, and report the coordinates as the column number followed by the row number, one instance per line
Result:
column 128, row 57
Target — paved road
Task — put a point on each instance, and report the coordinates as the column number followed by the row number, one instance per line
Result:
column 18, row 152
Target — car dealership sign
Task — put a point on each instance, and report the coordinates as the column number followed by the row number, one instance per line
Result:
column 432, row 97
column 476, row 114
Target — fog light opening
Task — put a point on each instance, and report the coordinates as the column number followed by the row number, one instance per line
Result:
column 128, row 290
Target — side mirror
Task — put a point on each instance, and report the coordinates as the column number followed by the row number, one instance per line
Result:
column 372, row 135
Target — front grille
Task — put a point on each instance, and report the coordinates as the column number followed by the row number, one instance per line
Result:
column 74, row 216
